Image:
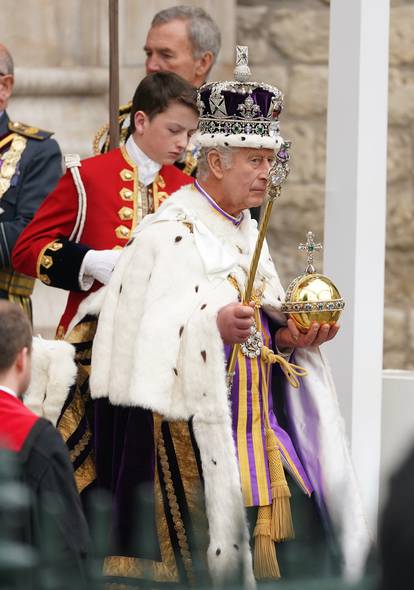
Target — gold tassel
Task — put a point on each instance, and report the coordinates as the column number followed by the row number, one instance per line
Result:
column 281, row 526
column 290, row 370
column 265, row 563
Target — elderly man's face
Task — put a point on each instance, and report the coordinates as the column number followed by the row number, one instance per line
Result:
column 244, row 184
column 6, row 89
column 168, row 49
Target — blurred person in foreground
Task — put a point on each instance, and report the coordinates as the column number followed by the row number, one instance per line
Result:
column 41, row 455
column 396, row 531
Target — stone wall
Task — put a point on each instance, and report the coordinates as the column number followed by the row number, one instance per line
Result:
column 288, row 45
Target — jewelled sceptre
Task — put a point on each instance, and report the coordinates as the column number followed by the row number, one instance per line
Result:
column 277, row 175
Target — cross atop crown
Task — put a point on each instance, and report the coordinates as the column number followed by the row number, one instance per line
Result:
column 242, row 70
column 310, row 247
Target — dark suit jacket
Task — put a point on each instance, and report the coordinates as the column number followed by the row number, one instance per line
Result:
column 45, row 468
column 37, row 174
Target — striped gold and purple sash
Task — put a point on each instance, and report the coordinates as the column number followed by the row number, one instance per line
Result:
column 252, row 381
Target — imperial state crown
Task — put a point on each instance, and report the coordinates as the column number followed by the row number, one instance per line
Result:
column 239, row 112
column 312, row 297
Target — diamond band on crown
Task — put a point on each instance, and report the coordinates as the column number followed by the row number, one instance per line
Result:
column 237, row 126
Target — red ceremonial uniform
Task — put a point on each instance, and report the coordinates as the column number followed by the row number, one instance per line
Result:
column 115, row 203
column 16, row 422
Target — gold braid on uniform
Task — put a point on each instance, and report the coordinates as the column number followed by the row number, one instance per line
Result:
column 100, row 147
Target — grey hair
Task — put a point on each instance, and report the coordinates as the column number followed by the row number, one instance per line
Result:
column 6, row 61
column 203, row 32
column 226, row 156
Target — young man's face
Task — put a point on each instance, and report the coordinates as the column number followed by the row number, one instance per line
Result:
column 168, row 49
column 165, row 137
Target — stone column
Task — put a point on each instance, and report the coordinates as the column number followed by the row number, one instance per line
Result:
column 355, row 213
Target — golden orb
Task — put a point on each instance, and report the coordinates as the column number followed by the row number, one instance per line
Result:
column 312, row 297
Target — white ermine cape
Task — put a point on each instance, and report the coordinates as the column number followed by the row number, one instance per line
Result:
column 157, row 346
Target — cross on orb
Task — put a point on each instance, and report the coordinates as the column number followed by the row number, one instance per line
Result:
column 310, row 247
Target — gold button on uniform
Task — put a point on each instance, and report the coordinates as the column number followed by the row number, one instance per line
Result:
column 45, row 279
column 122, row 232
column 126, row 194
column 55, row 246
column 46, row 261
column 126, row 174
column 126, row 213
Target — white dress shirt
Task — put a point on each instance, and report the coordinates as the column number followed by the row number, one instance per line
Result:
column 147, row 168
column 8, row 390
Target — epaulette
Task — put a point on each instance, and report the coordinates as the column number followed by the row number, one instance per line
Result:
column 100, row 144
column 28, row 131
column 125, row 108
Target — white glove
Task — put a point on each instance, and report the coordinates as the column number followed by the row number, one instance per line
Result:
column 97, row 265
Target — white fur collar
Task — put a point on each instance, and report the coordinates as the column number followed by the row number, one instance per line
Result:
column 223, row 247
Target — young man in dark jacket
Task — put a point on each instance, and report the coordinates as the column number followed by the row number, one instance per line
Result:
column 40, row 453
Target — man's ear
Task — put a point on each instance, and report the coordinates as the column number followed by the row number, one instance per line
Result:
column 215, row 164
column 204, row 63
column 141, row 122
column 22, row 360
column 6, row 89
